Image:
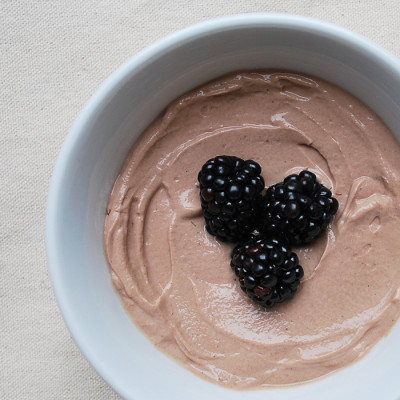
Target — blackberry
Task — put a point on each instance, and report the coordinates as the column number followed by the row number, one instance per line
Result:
column 297, row 209
column 268, row 271
column 230, row 195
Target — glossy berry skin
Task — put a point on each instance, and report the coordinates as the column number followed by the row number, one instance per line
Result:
column 268, row 271
column 230, row 195
column 298, row 209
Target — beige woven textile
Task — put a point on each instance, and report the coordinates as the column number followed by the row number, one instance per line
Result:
column 53, row 56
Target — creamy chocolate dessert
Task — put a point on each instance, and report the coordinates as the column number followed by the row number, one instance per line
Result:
column 174, row 278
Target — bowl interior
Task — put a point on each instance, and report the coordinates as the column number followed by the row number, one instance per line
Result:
column 98, row 143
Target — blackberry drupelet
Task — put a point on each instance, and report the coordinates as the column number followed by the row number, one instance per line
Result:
column 297, row 209
column 230, row 195
column 268, row 271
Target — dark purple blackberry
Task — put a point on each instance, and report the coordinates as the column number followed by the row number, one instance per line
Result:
column 297, row 209
column 230, row 194
column 268, row 271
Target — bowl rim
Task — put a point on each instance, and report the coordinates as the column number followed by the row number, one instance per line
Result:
column 117, row 80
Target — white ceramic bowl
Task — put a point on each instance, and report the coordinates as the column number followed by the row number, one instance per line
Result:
column 98, row 143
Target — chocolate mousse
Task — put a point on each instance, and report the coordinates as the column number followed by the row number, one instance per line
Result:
column 174, row 277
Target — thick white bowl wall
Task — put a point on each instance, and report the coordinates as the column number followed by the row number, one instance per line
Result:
column 98, row 143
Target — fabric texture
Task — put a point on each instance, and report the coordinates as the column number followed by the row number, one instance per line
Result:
column 54, row 55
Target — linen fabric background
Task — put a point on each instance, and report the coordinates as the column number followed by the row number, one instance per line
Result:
column 53, row 56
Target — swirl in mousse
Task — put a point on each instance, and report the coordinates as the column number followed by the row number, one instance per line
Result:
column 174, row 278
